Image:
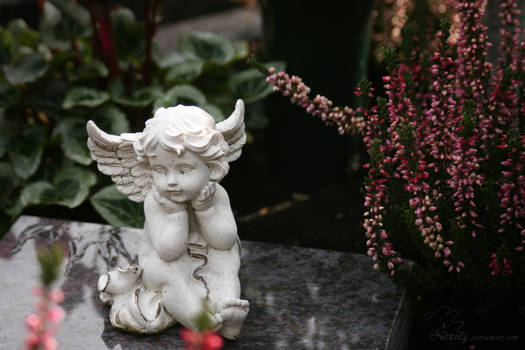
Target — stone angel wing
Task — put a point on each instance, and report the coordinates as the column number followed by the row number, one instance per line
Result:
column 233, row 131
column 116, row 157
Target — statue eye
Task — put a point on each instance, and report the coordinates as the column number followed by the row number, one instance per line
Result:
column 159, row 169
column 185, row 169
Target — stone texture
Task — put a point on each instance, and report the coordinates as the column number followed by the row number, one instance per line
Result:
column 300, row 298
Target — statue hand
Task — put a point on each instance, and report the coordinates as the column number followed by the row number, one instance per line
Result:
column 205, row 198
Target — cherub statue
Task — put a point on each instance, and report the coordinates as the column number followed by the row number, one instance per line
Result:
column 190, row 253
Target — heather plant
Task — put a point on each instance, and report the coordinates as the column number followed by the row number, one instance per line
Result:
column 42, row 324
column 98, row 62
column 445, row 190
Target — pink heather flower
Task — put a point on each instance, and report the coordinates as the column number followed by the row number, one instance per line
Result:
column 42, row 325
column 55, row 315
column 206, row 340
column 56, row 296
column 497, row 267
column 344, row 118
column 50, row 343
column 31, row 341
column 441, row 130
column 34, row 322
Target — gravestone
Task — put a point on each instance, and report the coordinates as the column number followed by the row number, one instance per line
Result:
column 300, row 298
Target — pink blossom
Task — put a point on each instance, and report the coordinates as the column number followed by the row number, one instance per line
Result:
column 55, row 315
column 34, row 322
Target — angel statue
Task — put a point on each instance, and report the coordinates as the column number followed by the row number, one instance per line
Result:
column 190, row 252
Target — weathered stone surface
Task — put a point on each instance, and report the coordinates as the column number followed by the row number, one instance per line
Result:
column 300, row 298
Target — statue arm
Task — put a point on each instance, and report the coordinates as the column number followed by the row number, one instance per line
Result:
column 167, row 231
column 217, row 224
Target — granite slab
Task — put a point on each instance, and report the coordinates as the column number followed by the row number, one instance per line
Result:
column 300, row 298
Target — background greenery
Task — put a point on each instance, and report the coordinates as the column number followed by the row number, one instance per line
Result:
column 98, row 63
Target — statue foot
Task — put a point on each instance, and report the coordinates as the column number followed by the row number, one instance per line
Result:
column 233, row 313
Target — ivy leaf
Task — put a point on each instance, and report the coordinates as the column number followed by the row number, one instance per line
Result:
column 26, row 69
column 117, row 209
column 71, row 186
column 242, row 50
column 9, row 96
column 22, row 34
column 188, row 95
column 8, row 181
column 214, row 111
column 6, row 134
column 128, row 35
column 171, row 60
column 138, row 98
column 181, row 94
column 73, row 136
column 47, row 96
column 111, row 119
column 6, row 46
column 35, row 193
column 62, row 22
column 88, row 71
column 85, row 97
column 208, row 47
column 26, row 152
column 185, row 72
column 250, row 85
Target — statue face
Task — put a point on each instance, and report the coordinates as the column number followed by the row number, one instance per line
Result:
column 178, row 178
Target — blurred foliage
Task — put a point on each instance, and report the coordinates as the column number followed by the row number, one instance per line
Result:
column 97, row 63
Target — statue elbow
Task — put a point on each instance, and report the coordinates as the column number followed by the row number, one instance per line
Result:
column 224, row 240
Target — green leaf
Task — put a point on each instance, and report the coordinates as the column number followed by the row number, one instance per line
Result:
column 171, row 60
column 62, row 22
column 88, row 71
column 255, row 118
column 129, row 36
column 9, row 96
column 117, row 209
column 7, row 133
column 71, row 186
column 188, row 95
column 250, row 85
column 6, row 46
column 138, row 98
column 278, row 65
column 111, row 119
column 185, row 72
column 34, row 193
column 208, row 47
column 242, row 50
column 26, row 69
column 62, row 58
column 8, row 181
column 26, row 152
column 214, row 111
column 181, row 94
column 73, row 136
column 22, row 34
column 46, row 96
column 84, row 97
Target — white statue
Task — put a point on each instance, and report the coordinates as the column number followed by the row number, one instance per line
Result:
column 190, row 253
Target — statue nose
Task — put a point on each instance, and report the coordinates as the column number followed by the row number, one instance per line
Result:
column 172, row 180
